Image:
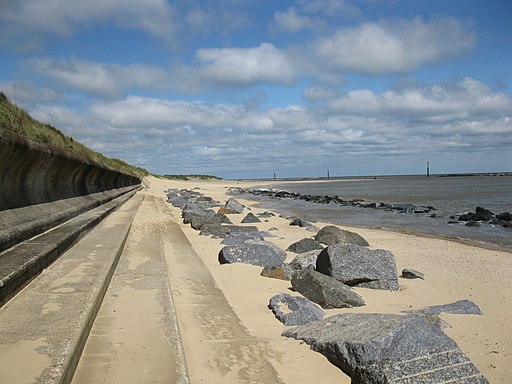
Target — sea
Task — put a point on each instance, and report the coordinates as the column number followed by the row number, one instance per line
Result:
column 451, row 196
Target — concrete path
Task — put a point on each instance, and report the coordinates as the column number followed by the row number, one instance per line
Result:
column 217, row 346
column 43, row 329
column 135, row 338
column 146, row 333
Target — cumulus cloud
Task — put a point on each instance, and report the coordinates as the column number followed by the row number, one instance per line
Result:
column 100, row 79
column 237, row 66
column 27, row 23
column 430, row 121
column 291, row 21
column 331, row 8
column 465, row 99
column 24, row 94
column 393, row 47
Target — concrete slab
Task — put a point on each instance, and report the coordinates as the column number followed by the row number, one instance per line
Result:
column 135, row 338
column 23, row 262
column 43, row 329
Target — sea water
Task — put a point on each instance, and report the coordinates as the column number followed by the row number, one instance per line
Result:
column 450, row 196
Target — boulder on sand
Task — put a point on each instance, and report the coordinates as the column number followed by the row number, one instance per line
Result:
column 255, row 252
column 324, row 290
column 293, row 310
column 233, row 206
column 305, row 245
column 359, row 266
column 333, row 235
column 281, row 272
column 305, row 260
column 376, row 348
column 250, row 218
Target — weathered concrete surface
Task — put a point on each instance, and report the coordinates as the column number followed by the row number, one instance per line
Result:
column 22, row 263
column 43, row 331
column 135, row 337
column 20, row 224
column 38, row 174
column 217, row 346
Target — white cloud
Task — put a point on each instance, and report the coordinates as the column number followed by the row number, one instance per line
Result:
column 401, row 46
column 464, row 119
column 237, row 67
column 24, row 94
column 331, row 8
column 319, row 92
column 291, row 21
column 467, row 99
column 100, row 79
column 29, row 22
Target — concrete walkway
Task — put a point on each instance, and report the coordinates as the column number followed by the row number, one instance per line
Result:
column 43, row 329
column 135, row 338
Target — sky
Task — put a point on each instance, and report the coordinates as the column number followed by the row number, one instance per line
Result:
column 253, row 88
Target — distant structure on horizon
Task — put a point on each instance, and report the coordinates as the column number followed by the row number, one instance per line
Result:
column 428, row 169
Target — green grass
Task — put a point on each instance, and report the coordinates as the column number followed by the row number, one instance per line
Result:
column 14, row 119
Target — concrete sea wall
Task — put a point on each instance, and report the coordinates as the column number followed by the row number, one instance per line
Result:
column 41, row 187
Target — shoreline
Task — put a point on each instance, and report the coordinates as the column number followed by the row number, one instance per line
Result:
column 454, row 270
column 412, row 232
column 481, row 243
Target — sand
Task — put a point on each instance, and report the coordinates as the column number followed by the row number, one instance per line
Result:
column 453, row 271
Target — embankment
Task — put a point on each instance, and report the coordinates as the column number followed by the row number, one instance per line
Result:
column 43, row 186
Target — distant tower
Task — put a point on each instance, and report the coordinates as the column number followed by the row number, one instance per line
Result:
column 428, row 169
column 274, row 175
column 327, row 172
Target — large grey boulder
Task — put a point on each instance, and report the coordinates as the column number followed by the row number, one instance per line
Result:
column 221, row 231
column 324, row 290
column 461, row 307
column 333, row 235
column 293, row 310
column 305, row 260
column 234, row 206
column 255, row 252
column 374, row 348
column 281, row 272
column 177, row 201
column 359, row 266
column 305, row 245
column 198, row 221
column 250, row 218
column 240, row 237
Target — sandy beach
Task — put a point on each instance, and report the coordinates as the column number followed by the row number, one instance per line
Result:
column 453, row 271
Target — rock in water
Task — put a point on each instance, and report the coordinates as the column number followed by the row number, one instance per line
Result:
column 305, row 245
column 255, row 252
column 292, row 310
column 375, row 348
column 324, row 290
column 333, row 235
column 359, row 266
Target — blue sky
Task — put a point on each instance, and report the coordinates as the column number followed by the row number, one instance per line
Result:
column 246, row 88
